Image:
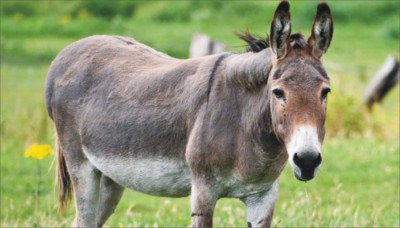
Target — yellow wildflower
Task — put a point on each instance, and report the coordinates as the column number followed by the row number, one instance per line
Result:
column 83, row 14
column 38, row 151
column 64, row 20
column 18, row 16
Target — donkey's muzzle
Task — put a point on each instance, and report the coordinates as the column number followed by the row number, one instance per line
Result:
column 307, row 162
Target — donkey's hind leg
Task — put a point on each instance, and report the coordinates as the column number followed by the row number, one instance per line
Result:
column 85, row 177
column 110, row 194
column 86, row 181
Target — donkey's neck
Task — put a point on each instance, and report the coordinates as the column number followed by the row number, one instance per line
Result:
column 250, row 70
column 238, row 112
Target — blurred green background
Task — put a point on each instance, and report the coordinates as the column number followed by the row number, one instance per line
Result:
column 358, row 185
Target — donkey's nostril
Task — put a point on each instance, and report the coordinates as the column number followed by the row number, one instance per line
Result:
column 319, row 159
column 307, row 160
column 296, row 159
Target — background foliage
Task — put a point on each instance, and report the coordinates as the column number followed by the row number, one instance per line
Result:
column 358, row 185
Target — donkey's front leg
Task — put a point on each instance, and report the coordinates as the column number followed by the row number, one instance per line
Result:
column 260, row 207
column 203, row 200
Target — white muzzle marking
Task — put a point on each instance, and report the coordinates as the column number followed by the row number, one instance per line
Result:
column 303, row 140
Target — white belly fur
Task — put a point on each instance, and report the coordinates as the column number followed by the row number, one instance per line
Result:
column 153, row 176
column 165, row 177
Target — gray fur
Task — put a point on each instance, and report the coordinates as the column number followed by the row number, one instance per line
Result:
column 128, row 116
column 123, row 108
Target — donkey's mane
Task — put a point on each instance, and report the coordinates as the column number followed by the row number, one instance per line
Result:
column 253, row 44
column 296, row 41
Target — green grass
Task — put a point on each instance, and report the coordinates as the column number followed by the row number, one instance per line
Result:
column 358, row 184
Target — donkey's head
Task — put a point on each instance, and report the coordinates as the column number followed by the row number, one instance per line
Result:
column 298, row 87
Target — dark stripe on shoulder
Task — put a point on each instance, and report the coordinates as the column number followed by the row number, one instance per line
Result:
column 212, row 75
column 123, row 40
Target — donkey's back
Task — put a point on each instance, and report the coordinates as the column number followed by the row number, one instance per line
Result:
column 118, row 67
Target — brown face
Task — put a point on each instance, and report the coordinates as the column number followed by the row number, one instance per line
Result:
column 298, row 87
column 298, row 90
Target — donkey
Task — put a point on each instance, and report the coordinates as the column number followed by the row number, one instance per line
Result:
column 127, row 116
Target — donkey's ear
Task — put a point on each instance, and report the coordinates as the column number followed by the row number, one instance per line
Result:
column 322, row 31
column 280, row 30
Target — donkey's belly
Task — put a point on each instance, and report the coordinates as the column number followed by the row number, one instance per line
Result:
column 151, row 175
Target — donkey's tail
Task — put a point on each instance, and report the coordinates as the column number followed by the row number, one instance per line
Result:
column 63, row 178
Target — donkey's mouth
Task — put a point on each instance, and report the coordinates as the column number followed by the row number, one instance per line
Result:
column 304, row 175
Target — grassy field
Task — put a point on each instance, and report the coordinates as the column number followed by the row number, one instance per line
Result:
column 358, row 185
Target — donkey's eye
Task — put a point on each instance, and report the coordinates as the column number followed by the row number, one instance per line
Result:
column 324, row 93
column 278, row 93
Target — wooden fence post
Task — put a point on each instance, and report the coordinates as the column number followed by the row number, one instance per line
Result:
column 384, row 80
column 202, row 45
